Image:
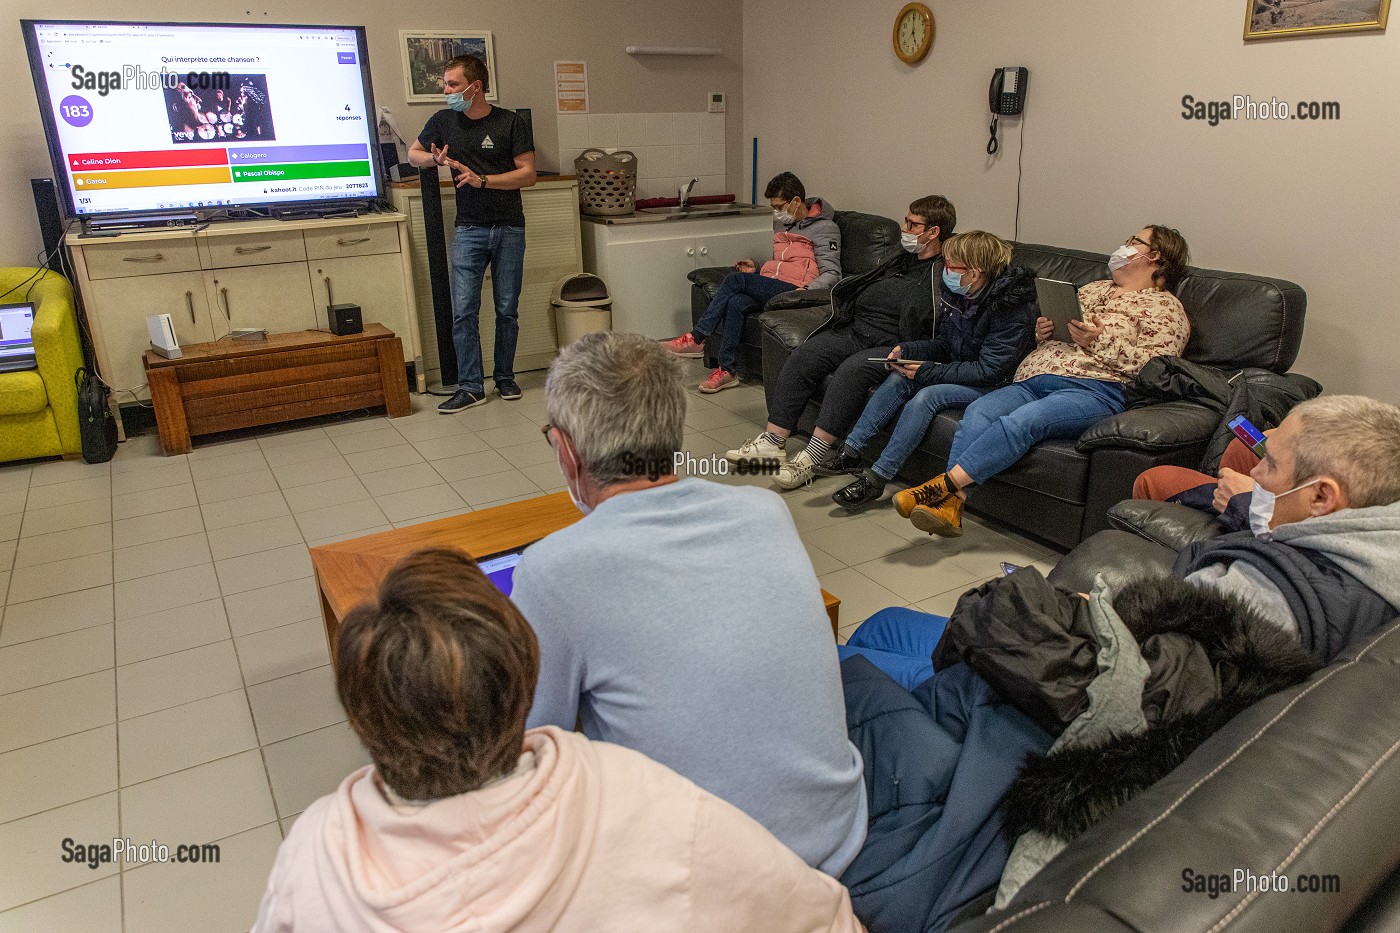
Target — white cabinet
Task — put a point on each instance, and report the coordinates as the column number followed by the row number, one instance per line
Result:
column 645, row 264
column 264, row 273
column 552, row 251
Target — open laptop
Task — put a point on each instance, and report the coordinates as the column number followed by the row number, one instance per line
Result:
column 1059, row 301
column 16, row 340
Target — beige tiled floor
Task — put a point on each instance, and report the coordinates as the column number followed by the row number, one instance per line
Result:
column 163, row 670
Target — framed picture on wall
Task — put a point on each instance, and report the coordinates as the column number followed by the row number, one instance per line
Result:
column 1268, row 19
column 425, row 52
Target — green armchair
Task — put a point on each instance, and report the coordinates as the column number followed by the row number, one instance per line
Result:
column 39, row 409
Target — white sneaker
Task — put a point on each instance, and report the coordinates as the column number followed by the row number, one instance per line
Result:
column 757, row 449
column 796, row 472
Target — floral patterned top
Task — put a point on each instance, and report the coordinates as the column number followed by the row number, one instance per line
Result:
column 1136, row 327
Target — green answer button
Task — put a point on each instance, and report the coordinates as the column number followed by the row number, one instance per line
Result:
column 301, row 170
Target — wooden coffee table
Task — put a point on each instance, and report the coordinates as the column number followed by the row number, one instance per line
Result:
column 349, row 572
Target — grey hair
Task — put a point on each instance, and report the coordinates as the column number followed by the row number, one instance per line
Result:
column 619, row 398
column 1356, row 441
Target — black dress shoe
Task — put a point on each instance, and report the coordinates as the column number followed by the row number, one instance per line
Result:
column 840, row 463
column 461, row 401
column 858, row 496
column 507, row 389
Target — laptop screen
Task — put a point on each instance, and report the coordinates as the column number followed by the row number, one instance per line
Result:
column 16, row 342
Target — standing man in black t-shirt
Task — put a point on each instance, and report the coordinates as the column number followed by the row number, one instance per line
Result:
column 492, row 156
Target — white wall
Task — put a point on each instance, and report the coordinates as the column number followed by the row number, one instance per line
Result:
column 1106, row 148
column 529, row 37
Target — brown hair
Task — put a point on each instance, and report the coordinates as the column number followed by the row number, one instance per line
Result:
column 977, row 249
column 1171, row 245
column 785, row 185
column 937, row 211
column 437, row 676
column 473, row 67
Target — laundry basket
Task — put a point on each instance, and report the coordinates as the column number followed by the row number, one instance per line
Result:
column 582, row 305
column 607, row 182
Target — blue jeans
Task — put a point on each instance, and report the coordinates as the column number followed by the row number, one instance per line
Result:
column 473, row 249
column 739, row 295
column 920, row 406
column 899, row 642
column 1001, row 426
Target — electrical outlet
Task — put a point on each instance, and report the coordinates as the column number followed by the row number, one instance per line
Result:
column 716, row 102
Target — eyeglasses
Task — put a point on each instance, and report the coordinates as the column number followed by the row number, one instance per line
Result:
column 545, row 431
column 1137, row 239
column 911, row 224
column 779, row 205
column 959, row 270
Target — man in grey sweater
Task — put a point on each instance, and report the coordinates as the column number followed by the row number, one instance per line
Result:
column 682, row 618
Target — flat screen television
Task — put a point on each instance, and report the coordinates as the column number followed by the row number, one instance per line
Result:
column 144, row 118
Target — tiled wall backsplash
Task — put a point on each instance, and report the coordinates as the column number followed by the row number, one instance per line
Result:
column 671, row 148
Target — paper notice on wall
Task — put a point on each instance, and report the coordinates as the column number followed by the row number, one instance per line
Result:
column 571, row 86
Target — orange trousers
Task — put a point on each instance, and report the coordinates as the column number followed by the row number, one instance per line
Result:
column 1163, row 482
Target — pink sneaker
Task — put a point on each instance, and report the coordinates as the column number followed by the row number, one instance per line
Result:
column 719, row 380
column 685, row 347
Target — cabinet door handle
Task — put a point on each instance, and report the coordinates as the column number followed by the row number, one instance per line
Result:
column 690, row 252
column 244, row 250
column 158, row 257
column 228, row 313
column 189, row 302
column 344, row 242
column 329, row 299
column 704, row 251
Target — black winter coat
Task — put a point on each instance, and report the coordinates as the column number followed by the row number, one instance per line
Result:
column 996, row 343
column 915, row 320
column 1262, row 396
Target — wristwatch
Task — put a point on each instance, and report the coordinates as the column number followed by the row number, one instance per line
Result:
column 483, row 179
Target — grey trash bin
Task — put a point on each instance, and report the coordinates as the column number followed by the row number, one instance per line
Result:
column 582, row 305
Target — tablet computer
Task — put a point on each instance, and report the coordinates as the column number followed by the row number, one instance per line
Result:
column 1059, row 301
column 500, row 568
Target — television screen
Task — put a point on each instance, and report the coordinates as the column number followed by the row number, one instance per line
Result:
column 146, row 117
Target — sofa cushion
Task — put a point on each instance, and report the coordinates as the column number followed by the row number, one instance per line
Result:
column 22, row 393
column 866, row 241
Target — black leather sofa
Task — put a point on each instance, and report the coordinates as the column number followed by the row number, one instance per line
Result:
column 1305, row 784
column 866, row 241
column 1062, row 490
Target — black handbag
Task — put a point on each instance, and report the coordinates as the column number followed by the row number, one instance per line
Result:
column 95, row 422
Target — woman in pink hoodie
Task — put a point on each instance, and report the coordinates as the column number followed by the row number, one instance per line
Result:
column 466, row 822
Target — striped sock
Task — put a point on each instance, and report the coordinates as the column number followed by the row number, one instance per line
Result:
column 818, row 450
column 774, row 439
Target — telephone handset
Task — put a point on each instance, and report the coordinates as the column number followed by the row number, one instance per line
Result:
column 1006, row 96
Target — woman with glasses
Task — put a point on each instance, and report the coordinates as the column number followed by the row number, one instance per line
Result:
column 1061, row 389
column 985, row 326
column 870, row 313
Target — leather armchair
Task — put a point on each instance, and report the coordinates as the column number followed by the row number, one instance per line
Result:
column 39, row 408
column 866, row 241
column 1063, row 489
column 1301, row 783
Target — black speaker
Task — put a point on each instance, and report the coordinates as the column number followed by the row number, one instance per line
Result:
column 50, row 224
column 345, row 319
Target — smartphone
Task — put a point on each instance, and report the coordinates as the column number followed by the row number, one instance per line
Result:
column 885, row 359
column 1008, row 569
column 1252, row 437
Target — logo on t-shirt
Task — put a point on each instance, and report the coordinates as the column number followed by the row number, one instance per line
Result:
column 487, row 143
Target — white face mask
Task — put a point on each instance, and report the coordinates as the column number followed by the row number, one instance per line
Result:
column 1121, row 256
column 1261, row 507
column 575, row 497
column 910, row 242
column 784, row 218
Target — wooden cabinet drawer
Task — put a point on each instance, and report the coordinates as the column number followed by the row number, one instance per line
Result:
column 350, row 240
column 256, row 249
column 149, row 257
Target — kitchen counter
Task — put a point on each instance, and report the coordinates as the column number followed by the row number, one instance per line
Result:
column 652, row 215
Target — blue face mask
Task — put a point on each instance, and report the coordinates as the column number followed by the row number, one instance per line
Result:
column 954, row 283
column 459, row 102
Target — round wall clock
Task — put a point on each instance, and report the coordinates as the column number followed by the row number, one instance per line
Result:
column 913, row 33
